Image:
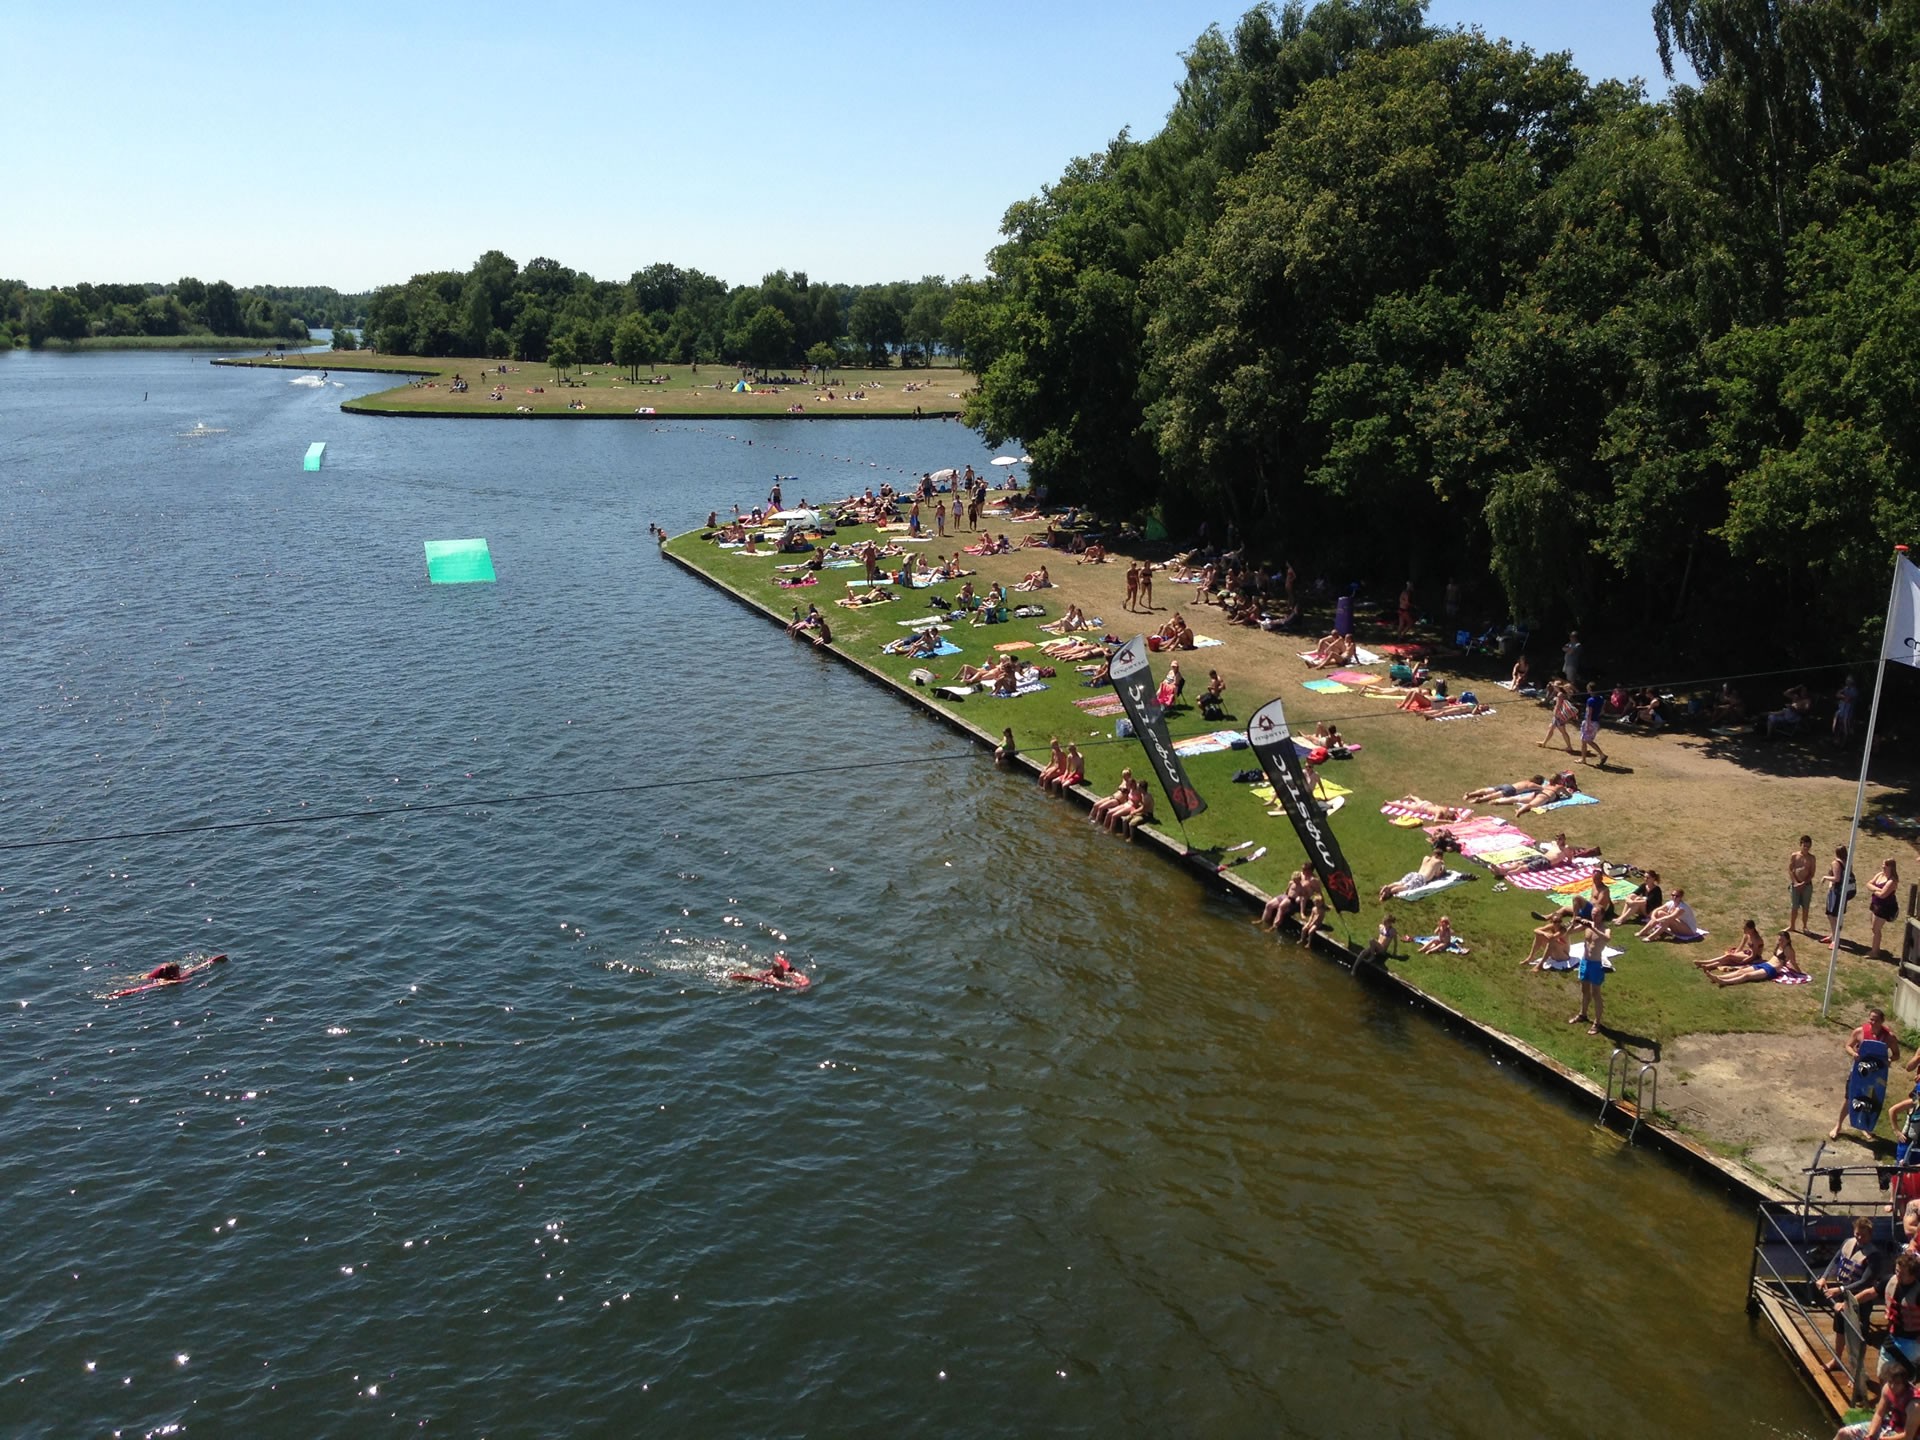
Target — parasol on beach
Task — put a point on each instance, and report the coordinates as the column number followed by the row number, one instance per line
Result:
column 1004, row 460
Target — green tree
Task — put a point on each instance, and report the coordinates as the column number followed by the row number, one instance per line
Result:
column 635, row 343
column 562, row 356
column 767, row 339
column 222, row 309
column 875, row 323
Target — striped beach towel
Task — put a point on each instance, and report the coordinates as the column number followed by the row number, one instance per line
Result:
column 1553, row 879
column 1399, row 811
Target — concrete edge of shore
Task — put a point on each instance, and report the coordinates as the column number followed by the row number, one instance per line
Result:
column 1576, row 1088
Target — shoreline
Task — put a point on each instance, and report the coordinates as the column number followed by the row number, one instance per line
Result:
column 1698, row 1161
column 395, row 402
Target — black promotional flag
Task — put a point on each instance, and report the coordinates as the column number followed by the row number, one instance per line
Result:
column 1133, row 678
column 1273, row 747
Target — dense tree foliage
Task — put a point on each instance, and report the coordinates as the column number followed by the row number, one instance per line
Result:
column 502, row 310
column 186, row 307
column 1393, row 299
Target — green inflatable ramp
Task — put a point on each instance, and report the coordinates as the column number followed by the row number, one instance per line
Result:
column 314, row 452
column 459, row 562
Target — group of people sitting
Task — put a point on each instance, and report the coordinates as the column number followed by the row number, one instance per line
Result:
column 1126, row 810
column 1333, row 650
column 1176, row 634
column 1064, row 768
column 1740, row 962
column 1304, row 900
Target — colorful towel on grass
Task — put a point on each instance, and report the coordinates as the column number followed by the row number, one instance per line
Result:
column 1012, row 645
column 1026, row 687
column 1466, row 715
column 1434, row 887
column 927, row 624
column 898, row 647
column 1554, row 878
column 1206, row 642
column 796, row 584
column 1791, row 979
column 1327, row 791
column 1354, row 677
column 1618, row 889
column 1209, row 744
column 1475, row 825
column 1492, row 852
column 1396, row 809
column 1100, row 706
column 1324, row 687
column 1454, row 947
column 1579, row 797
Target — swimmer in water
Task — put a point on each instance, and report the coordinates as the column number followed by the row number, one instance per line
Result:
column 780, row 974
column 171, row 973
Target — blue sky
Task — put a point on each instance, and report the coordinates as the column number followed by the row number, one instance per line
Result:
column 352, row 146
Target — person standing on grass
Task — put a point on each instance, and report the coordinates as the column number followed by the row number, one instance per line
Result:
column 1800, row 868
column 1133, row 585
column 1563, row 715
column 1840, row 888
column 1406, row 611
column 1570, row 665
column 1146, row 585
column 1590, row 725
column 1844, row 699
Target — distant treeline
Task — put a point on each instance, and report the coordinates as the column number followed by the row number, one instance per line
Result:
column 662, row 314
column 186, row 307
column 1390, row 300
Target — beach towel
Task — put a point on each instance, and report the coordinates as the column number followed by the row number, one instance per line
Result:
column 1354, row 677
column 1325, row 687
column 1618, row 889
column 1608, row 954
column 1554, row 878
column 1101, row 706
column 1579, row 797
column 1473, row 825
column 1473, row 715
column 1396, row 809
column 1791, row 979
column 1210, row 744
column 1365, row 656
column 922, row 625
column 955, row 692
column 1434, row 887
column 796, row 584
column 1206, row 642
column 1492, row 851
column 1026, row 687
column 1454, row 947
column 1015, row 645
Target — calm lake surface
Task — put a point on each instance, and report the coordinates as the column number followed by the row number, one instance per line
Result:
column 473, row 1136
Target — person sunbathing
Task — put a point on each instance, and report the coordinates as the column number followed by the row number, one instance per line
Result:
column 1176, row 634
column 973, row 674
column 1171, row 687
column 1443, row 940
column 1036, row 580
column 1213, row 703
column 1334, row 649
column 1428, row 810
column 1094, row 554
column 1743, row 952
column 1417, row 700
column 1056, row 762
column 1431, row 868
column 1100, row 809
column 1552, row 856
column 1646, row 897
column 1550, row 943
column 1562, row 787
column 1517, row 790
column 1782, row 965
column 1672, row 921
column 1447, row 709
column 1006, row 677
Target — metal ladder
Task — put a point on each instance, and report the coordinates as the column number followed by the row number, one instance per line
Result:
column 1646, row 1091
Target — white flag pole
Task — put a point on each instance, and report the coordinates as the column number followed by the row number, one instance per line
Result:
column 1860, row 792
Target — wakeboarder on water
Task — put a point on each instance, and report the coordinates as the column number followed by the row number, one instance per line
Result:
column 780, row 975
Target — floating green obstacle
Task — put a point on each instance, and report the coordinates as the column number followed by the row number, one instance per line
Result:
column 459, row 562
column 314, row 452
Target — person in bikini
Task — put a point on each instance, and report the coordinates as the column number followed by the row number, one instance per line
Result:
column 1780, row 966
column 1443, row 940
column 1100, row 809
column 1518, row 790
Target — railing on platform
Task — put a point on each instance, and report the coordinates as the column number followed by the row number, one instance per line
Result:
column 1646, row 1090
column 1793, row 1243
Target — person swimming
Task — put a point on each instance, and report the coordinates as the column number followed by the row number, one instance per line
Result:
column 170, row 973
column 780, row 975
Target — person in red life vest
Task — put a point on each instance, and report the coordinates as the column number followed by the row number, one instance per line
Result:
column 1896, row 1416
column 1875, row 1028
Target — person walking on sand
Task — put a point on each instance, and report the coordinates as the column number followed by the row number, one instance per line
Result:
column 1563, row 715
column 1590, row 725
column 1800, row 868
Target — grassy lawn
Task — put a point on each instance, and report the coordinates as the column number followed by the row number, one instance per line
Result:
column 1717, row 823
column 681, row 392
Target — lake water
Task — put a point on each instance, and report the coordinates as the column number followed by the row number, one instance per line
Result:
column 472, row 1135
